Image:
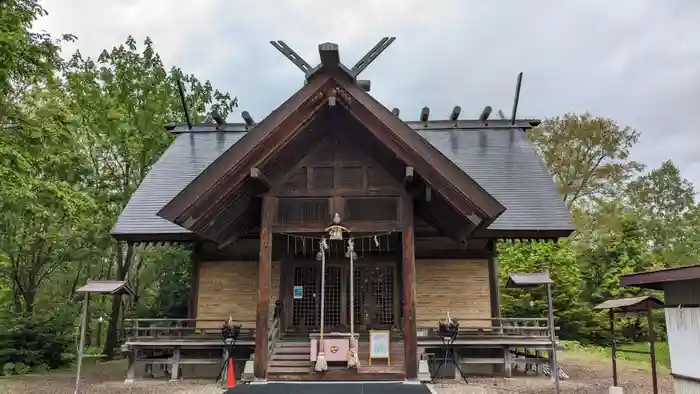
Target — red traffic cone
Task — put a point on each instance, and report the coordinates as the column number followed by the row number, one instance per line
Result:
column 230, row 375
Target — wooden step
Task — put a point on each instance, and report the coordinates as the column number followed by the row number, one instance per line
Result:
column 293, row 350
column 286, row 356
column 293, row 363
column 288, row 370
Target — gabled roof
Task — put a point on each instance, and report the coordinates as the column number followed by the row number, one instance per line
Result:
column 631, row 304
column 217, row 202
column 498, row 157
column 658, row 279
column 530, row 279
column 198, row 207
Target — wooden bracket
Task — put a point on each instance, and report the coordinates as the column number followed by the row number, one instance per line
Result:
column 260, row 177
column 409, row 175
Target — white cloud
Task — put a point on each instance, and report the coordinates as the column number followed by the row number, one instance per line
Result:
column 636, row 61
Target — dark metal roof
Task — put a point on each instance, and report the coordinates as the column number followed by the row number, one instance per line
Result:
column 186, row 158
column 416, row 124
column 528, row 280
column 657, row 279
column 505, row 163
column 500, row 158
column 632, row 304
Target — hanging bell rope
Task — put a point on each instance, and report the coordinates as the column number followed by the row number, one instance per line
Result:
column 352, row 357
column 321, row 363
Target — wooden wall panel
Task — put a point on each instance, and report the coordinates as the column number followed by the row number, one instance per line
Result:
column 458, row 286
column 230, row 287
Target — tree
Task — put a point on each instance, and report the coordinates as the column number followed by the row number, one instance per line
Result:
column 573, row 315
column 665, row 204
column 588, row 157
column 122, row 101
column 26, row 58
column 45, row 211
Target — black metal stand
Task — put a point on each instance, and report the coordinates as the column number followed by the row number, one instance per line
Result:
column 229, row 333
column 449, row 349
column 229, row 356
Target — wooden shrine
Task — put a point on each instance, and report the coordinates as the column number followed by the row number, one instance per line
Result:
column 333, row 217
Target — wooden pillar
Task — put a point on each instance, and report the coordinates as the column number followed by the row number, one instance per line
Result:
column 264, row 268
column 194, row 283
column 494, row 283
column 409, row 290
column 495, row 300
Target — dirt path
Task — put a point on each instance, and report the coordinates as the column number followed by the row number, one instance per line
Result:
column 590, row 374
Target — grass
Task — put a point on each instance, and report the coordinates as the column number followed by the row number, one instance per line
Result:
column 662, row 355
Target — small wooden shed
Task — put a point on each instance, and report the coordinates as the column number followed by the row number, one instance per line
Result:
column 681, row 287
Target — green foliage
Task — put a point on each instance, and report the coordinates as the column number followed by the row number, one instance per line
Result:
column 167, row 275
column 573, row 316
column 77, row 137
column 588, row 156
column 31, row 343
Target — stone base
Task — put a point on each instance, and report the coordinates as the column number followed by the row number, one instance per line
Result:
column 615, row 390
column 248, row 372
column 423, row 371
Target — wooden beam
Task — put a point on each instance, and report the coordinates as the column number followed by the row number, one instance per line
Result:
column 329, row 54
column 264, row 268
column 409, row 175
column 409, row 290
column 260, row 176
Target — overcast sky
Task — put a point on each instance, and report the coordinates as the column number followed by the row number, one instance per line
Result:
column 637, row 62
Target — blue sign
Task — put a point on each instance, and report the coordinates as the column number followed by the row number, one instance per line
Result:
column 298, row 292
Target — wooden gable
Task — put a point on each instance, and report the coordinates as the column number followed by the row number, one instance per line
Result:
column 222, row 203
column 337, row 177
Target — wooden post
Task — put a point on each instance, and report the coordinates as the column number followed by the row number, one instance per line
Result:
column 508, row 362
column 194, row 283
column 614, row 346
column 494, row 285
column 263, row 311
column 81, row 346
column 554, row 370
column 652, row 348
column 175, row 367
column 409, row 291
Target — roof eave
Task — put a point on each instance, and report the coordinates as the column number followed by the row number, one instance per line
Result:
column 176, row 209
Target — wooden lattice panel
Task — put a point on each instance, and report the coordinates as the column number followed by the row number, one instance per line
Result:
column 302, row 210
column 374, row 296
column 333, row 299
column 371, row 209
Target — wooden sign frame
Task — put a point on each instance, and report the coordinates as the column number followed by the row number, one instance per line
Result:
column 388, row 343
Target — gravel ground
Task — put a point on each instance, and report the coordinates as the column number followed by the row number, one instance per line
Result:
column 589, row 375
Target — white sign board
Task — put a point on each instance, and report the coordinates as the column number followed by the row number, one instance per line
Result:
column 378, row 345
column 683, row 328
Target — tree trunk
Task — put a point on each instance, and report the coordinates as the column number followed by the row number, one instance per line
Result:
column 124, row 261
column 29, row 296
